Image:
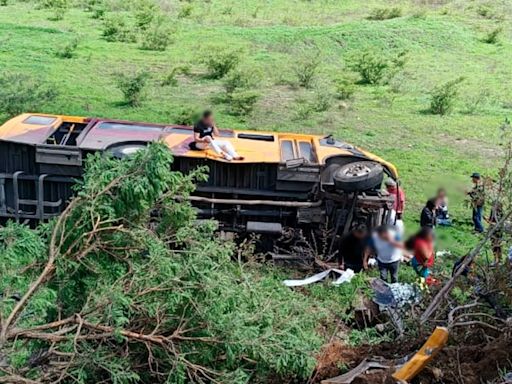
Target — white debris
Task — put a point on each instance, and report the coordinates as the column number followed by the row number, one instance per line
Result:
column 405, row 294
column 345, row 277
column 443, row 253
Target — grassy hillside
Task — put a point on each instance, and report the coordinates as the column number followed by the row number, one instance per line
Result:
column 443, row 40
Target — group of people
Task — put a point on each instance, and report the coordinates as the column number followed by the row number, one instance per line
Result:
column 387, row 246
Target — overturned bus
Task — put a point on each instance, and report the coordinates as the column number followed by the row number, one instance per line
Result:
column 286, row 180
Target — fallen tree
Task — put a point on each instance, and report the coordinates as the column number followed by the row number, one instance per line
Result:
column 127, row 287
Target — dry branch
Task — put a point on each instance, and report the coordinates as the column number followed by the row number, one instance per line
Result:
column 448, row 286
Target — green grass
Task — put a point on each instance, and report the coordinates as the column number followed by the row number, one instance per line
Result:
column 443, row 42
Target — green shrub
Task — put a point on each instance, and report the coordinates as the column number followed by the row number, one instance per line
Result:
column 492, row 37
column 58, row 7
column 242, row 102
column 90, row 5
column 344, row 88
column 185, row 11
column 170, row 78
column 376, row 67
column 486, row 11
column 475, row 102
column 385, row 13
column 322, row 99
column 3, row 3
column 157, row 36
column 306, row 65
column 116, row 28
column 242, row 78
column 22, row 93
column 220, row 60
column 303, row 109
column 98, row 13
column 133, row 86
column 444, row 96
column 68, row 50
column 186, row 115
column 145, row 13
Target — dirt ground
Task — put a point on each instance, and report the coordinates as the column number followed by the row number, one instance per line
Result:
column 462, row 363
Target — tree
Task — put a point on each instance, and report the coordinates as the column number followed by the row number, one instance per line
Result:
column 125, row 286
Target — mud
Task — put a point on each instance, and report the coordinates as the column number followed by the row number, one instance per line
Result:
column 455, row 364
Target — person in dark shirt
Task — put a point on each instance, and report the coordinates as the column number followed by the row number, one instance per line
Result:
column 205, row 133
column 428, row 214
column 354, row 250
column 477, row 197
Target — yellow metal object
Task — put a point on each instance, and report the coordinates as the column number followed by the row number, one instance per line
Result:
column 430, row 349
column 253, row 151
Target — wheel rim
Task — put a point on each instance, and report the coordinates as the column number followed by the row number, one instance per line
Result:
column 356, row 170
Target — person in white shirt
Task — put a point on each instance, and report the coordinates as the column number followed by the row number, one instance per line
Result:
column 389, row 252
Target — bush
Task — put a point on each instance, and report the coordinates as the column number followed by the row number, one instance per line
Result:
column 444, row 96
column 376, row 67
column 116, row 28
column 242, row 102
column 133, row 86
column 59, row 7
column 320, row 100
column 475, row 102
column 170, row 78
column 303, row 109
column 242, row 78
column 146, row 12
column 219, row 61
column 486, row 11
column 187, row 115
column 22, row 93
column 98, row 8
column 185, row 11
column 3, row 3
column 385, row 13
column 157, row 36
column 67, row 51
column 344, row 88
column 492, row 37
column 306, row 66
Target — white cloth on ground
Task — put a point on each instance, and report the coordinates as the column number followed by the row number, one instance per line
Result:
column 345, row 277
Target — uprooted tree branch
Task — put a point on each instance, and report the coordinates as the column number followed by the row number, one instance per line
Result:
column 125, row 285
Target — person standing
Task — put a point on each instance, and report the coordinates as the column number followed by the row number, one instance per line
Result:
column 395, row 218
column 477, row 196
column 354, row 251
column 388, row 253
column 428, row 214
column 423, row 250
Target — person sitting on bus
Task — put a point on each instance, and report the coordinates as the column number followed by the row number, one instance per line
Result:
column 205, row 133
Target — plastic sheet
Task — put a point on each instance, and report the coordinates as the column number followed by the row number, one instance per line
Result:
column 345, row 277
